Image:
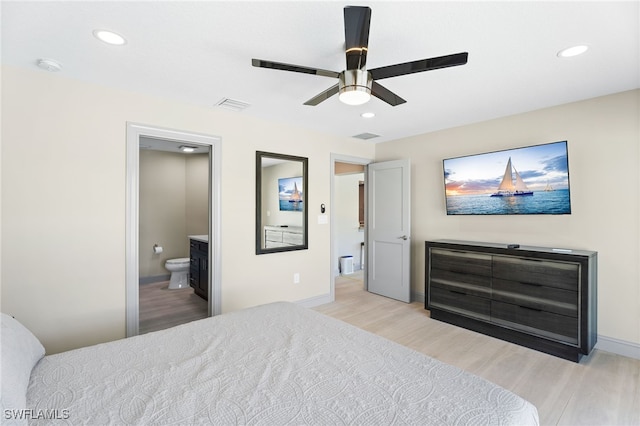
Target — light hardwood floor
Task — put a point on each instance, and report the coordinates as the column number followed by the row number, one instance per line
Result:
column 603, row 389
column 161, row 308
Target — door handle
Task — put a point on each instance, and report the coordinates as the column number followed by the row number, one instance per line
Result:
column 404, row 237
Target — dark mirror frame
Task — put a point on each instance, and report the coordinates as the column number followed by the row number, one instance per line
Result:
column 305, row 211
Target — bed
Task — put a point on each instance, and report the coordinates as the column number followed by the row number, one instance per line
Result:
column 276, row 364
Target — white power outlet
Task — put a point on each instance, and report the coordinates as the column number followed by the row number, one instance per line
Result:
column 296, row 278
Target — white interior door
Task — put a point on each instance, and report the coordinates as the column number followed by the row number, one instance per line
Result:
column 389, row 229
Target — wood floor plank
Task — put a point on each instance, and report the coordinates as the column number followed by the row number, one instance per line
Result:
column 161, row 308
column 603, row 389
column 607, row 392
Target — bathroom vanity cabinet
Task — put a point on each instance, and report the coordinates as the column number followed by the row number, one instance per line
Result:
column 199, row 268
column 537, row 297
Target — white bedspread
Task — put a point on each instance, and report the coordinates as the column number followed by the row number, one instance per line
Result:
column 276, row 364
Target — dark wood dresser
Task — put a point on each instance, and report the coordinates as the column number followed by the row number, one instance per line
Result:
column 541, row 298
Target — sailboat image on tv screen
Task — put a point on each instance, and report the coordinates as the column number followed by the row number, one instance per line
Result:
column 295, row 195
column 510, row 187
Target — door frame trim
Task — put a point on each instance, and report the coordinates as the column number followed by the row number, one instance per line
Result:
column 133, row 133
column 340, row 158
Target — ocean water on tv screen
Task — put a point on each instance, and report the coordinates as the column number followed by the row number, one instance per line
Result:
column 541, row 202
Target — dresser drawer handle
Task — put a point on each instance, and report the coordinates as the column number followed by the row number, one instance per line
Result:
column 531, row 284
column 530, row 309
column 458, row 292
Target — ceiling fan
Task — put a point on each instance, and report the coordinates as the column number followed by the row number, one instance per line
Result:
column 356, row 84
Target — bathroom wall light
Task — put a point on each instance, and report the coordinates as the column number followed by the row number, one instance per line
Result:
column 185, row 148
column 109, row 37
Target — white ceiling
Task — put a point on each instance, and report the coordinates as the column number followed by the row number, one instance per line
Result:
column 200, row 52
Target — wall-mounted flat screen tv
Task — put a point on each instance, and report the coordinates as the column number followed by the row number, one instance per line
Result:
column 529, row 180
column 290, row 194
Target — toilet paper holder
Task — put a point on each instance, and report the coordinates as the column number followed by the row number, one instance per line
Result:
column 157, row 249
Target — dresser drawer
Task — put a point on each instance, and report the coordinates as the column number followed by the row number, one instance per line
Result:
column 461, row 261
column 533, row 321
column 469, row 284
column 275, row 236
column 292, row 238
column 442, row 275
column 198, row 246
column 459, row 302
column 550, row 299
column 546, row 273
column 274, row 244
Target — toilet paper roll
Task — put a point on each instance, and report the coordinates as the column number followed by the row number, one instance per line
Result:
column 157, row 249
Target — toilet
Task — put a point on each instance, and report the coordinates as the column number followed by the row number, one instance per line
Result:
column 179, row 269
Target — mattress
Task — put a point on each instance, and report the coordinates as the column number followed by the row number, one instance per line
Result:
column 275, row 364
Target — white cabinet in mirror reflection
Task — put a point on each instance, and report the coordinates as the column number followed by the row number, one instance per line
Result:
column 278, row 236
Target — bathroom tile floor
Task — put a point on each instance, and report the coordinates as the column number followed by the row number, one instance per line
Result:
column 161, row 308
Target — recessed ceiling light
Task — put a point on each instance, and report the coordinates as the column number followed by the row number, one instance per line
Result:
column 185, row 148
column 367, row 115
column 572, row 51
column 109, row 37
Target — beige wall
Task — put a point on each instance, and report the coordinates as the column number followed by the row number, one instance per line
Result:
column 63, row 204
column 63, row 201
column 604, row 161
column 172, row 205
column 197, row 195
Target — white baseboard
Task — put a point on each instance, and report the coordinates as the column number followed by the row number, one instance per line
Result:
column 619, row 347
column 312, row 302
column 153, row 279
column 417, row 297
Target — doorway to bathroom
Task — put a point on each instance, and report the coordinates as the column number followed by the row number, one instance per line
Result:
column 174, row 218
column 173, row 228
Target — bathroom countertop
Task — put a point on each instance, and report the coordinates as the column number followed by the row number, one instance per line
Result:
column 202, row 238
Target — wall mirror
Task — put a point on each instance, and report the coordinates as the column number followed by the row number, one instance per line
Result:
column 281, row 203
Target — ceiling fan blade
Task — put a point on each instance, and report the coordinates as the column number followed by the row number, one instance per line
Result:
column 323, row 96
column 419, row 66
column 356, row 35
column 293, row 68
column 381, row 92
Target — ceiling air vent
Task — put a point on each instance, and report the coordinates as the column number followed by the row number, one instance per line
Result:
column 366, row 136
column 232, row 104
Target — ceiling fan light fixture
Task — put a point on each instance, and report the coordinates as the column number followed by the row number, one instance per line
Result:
column 355, row 87
column 355, row 96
